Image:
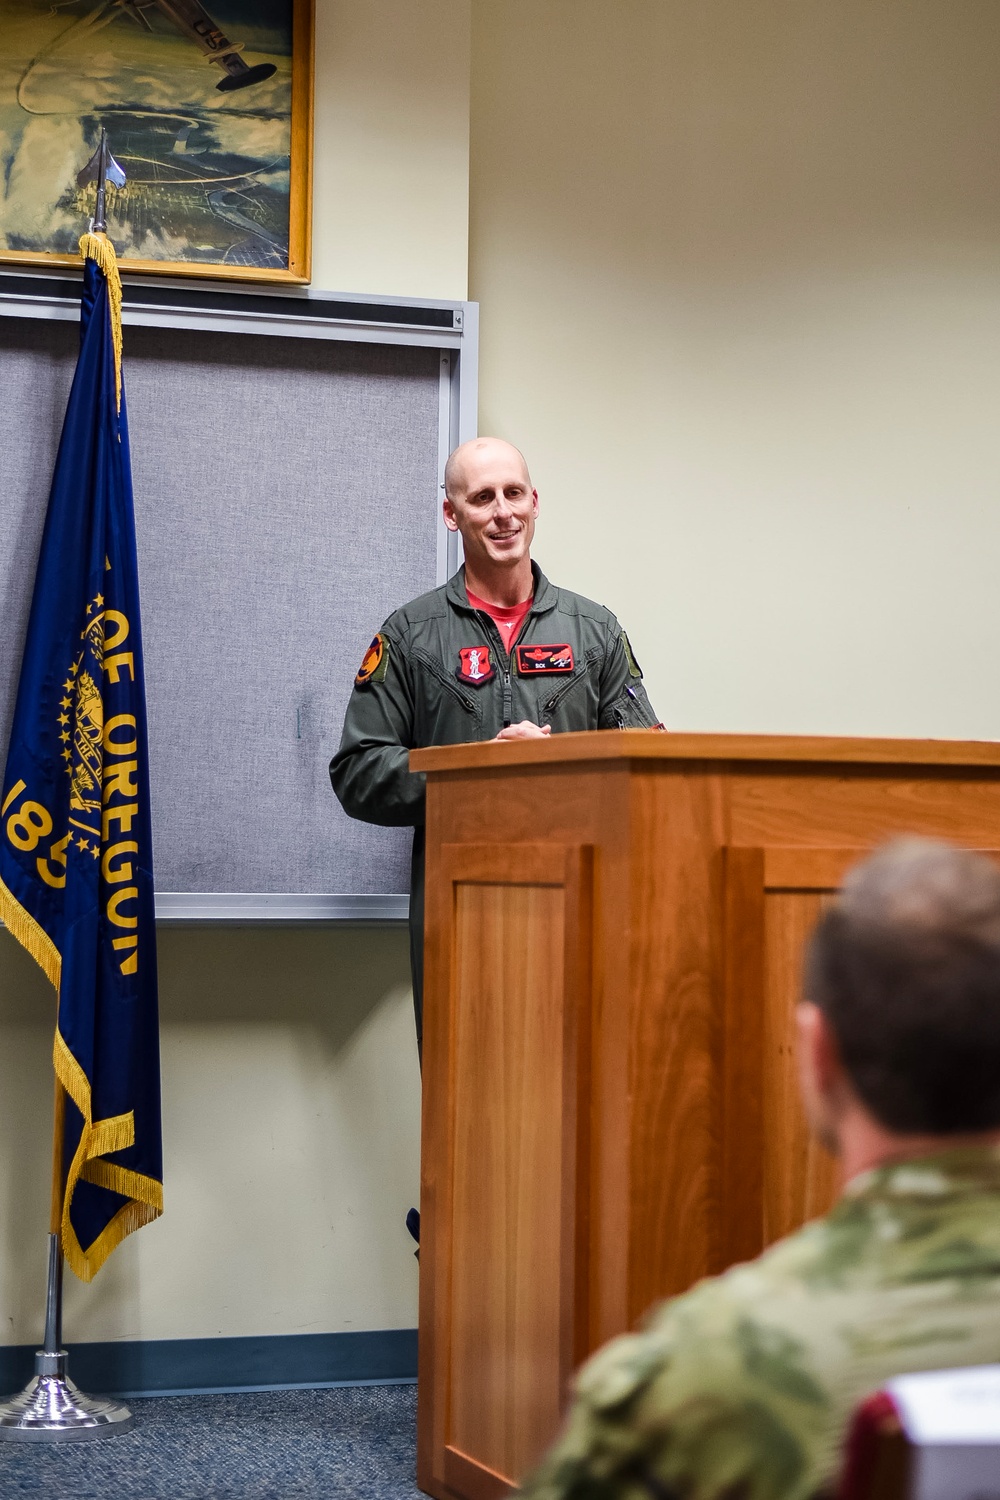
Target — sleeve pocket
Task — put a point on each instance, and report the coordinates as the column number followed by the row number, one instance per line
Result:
column 633, row 710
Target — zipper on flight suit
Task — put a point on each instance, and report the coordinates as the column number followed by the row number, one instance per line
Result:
column 490, row 626
column 579, row 672
column 493, row 634
column 508, row 693
column 566, row 687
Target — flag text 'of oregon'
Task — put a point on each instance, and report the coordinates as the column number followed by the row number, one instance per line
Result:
column 76, row 873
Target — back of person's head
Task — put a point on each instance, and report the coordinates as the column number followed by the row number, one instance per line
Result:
column 906, row 968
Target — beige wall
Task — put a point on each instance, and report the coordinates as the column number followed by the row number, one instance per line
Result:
column 391, row 164
column 290, row 1123
column 737, row 266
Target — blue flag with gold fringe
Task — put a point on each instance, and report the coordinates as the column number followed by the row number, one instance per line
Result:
column 76, row 872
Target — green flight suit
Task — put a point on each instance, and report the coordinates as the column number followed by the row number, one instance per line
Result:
column 742, row 1388
column 416, row 698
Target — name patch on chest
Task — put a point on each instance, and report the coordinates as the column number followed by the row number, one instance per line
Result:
column 534, row 659
column 475, row 666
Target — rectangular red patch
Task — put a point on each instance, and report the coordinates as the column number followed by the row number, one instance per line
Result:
column 532, row 659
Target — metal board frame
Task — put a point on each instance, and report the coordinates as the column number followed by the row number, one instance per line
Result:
column 451, row 327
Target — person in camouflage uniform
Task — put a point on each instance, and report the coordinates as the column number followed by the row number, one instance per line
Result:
column 743, row 1387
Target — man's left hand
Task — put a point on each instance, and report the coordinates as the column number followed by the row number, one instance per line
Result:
column 525, row 731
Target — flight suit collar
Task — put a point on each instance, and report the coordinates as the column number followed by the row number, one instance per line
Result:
column 546, row 594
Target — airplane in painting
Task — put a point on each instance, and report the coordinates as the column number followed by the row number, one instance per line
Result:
column 191, row 18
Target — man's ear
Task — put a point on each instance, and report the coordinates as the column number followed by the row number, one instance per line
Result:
column 817, row 1046
column 821, row 1073
column 448, row 511
column 534, row 502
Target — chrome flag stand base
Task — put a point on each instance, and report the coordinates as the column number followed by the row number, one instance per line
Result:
column 50, row 1409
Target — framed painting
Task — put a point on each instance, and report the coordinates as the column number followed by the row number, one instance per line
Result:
column 208, row 110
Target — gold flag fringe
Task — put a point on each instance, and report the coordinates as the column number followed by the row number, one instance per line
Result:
column 98, row 1139
column 22, row 925
column 98, row 247
column 131, row 1216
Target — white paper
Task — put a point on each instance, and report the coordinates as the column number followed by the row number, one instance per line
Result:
column 949, row 1406
column 952, row 1418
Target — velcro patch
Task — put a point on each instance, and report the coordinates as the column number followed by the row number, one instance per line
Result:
column 534, row 659
column 633, row 666
column 375, row 662
column 475, row 666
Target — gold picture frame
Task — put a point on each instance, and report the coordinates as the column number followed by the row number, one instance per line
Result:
column 216, row 147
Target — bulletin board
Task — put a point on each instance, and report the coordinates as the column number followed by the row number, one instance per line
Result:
column 287, row 457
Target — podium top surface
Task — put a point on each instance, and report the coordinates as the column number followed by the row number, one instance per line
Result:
column 644, row 745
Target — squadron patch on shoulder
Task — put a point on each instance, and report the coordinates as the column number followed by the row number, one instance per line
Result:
column 634, row 668
column 534, row 659
column 475, row 666
column 374, row 663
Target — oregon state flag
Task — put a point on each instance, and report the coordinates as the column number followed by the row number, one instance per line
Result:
column 76, row 875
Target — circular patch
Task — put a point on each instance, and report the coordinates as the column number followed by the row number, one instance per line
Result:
column 371, row 662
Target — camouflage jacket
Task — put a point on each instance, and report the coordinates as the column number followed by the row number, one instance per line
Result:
column 743, row 1387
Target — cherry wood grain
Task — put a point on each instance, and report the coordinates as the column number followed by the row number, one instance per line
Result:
column 858, row 808
column 504, row 1267
column 800, row 1178
column 645, row 744
column 507, row 1173
column 615, row 927
column 668, row 986
column 741, row 1220
column 466, row 1476
column 806, row 869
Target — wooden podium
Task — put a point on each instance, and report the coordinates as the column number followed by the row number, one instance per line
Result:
column 614, row 930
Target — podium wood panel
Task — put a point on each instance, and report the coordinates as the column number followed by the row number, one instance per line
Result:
column 799, row 1176
column 508, row 1206
column 615, row 925
column 507, row 1170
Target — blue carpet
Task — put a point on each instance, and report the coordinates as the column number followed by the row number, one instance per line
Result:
column 357, row 1441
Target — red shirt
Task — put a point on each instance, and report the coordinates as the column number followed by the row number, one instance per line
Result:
column 507, row 620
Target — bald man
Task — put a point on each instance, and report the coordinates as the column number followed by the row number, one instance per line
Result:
column 497, row 653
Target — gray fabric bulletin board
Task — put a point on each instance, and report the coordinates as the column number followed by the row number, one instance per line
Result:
column 287, row 499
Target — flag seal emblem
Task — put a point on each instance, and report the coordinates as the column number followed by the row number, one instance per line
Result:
column 534, row 659
column 475, row 666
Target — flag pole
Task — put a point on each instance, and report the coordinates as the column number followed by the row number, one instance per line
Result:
column 52, row 1341
column 58, row 1176
column 51, row 1408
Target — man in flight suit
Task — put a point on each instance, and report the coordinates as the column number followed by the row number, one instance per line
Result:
column 497, row 653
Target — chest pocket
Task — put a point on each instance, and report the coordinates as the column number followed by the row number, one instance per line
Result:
column 571, row 697
column 446, row 713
